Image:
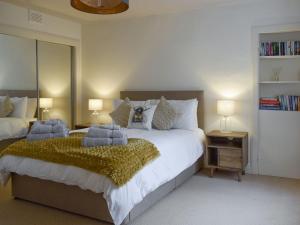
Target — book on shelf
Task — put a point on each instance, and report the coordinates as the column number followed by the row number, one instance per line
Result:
column 279, row 48
column 282, row 102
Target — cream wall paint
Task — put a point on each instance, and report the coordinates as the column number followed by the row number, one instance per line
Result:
column 209, row 49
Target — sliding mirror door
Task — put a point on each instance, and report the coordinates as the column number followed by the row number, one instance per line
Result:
column 55, row 85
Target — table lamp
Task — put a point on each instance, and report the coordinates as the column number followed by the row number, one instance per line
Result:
column 225, row 108
column 46, row 104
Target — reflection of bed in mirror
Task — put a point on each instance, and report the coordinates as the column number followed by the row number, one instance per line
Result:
column 13, row 128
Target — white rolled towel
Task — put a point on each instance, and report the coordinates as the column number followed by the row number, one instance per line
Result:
column 95, row 132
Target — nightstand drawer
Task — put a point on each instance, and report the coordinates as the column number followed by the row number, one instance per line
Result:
column 230, row 158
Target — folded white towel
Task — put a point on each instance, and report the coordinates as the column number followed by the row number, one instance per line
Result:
column 39, row 128
column 94, row 142
column 95, row 132
column 108, row 126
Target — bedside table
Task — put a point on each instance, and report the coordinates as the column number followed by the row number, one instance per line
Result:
column 227, row 151
column 84, row 125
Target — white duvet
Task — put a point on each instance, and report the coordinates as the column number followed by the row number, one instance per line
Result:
column 179, row 149
column 11, row 127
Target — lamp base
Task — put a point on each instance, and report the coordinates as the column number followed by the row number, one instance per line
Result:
column 225, row 125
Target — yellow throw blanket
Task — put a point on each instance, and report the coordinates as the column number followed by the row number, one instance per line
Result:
column 118, row 162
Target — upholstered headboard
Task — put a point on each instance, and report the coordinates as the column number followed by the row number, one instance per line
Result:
column 173, row 95
column 19, row 93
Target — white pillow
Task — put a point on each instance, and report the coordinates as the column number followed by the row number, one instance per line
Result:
column 31, row 107
column 146, row 116
column 20, row 107
column 186, row 111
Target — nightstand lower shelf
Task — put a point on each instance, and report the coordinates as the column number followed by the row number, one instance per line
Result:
column 227, row 152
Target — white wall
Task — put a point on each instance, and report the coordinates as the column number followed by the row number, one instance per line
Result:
column 209, row 50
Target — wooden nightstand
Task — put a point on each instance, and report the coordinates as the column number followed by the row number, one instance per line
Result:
column 227, row 151
column 84, row 125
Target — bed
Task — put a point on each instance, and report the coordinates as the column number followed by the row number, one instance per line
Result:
column 145, row 189
column 14, row 129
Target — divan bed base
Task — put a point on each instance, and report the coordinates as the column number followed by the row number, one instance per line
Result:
column 87, row 203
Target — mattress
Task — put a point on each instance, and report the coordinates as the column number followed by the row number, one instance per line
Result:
column 11, row 127
column 179, row 149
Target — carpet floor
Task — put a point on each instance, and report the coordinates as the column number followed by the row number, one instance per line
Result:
column 257, row 200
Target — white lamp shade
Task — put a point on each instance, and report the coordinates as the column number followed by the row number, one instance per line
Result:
column 46, row 103
column 95, row 104
column 225, row 107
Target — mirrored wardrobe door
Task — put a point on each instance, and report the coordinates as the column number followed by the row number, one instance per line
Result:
column 54, row 76
column 18, row 79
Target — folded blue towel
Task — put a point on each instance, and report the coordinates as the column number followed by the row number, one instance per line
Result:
column 95, row 132
column 39, row 128
column 38, row 137
column 94, row 142
column 108, row 126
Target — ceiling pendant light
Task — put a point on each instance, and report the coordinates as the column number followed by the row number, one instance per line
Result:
column 101, row 6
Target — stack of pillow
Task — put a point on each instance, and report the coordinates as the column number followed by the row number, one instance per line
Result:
column 18, row 107
column 162, row 115
column 105, row 135
column 42, row 130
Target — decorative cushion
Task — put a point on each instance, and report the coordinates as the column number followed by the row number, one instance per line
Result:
column 186, row 111
column 164, row 115
column 121, row 114
column 20, row 107
column 6, row 107
column 141, row 117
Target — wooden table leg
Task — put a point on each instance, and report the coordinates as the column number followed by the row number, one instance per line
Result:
column 243, row 172
column 212, row 172
column 239, row 176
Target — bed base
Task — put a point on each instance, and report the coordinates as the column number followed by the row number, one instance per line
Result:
column 87, row 203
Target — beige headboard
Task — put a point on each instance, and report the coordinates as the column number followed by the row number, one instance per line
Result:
column 174, row 95
column 19, row 93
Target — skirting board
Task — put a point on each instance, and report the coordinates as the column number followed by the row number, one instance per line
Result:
column 87, row 203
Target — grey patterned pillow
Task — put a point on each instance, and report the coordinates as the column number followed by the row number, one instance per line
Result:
column 120, row 115
column 6, row 107
column 164, row 116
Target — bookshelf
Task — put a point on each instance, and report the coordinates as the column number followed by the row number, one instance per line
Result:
column 278, row 130
column 279, row 74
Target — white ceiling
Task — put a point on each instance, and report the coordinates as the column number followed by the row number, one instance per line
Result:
column 136, row 7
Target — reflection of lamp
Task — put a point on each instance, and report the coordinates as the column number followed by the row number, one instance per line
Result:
column 225, row 108
column 46, row 104
column 95, row 105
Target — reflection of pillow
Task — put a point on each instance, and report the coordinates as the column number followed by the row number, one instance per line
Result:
column 6, row 107
column 31, row 107
column 121, row 114
column 164, row 116
column 186, row 111
column 20, row 107
column 141, row 116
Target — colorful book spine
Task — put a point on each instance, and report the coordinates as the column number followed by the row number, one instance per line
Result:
column 281, row 48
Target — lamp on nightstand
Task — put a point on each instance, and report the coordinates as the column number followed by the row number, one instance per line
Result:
column 46, row 104
column 225, row 108
column 95, row 105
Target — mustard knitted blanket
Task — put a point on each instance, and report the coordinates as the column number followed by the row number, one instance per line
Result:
column 118, row 162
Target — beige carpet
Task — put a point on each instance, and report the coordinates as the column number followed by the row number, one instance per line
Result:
column 257, row 200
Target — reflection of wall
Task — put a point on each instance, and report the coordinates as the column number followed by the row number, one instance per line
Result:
column 55, row 78
column 17, row 63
